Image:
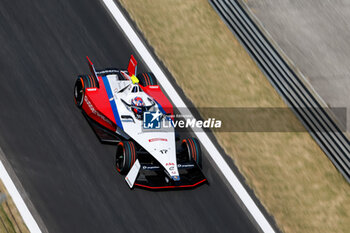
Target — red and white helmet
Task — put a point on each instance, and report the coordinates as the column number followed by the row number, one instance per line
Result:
column 137, row 105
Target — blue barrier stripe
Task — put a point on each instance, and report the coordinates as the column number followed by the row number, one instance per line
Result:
column 112, row 102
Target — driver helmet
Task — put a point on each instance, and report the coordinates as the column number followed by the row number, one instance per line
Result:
column 137, row 107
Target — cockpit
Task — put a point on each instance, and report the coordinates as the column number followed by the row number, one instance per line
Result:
column 136, row 88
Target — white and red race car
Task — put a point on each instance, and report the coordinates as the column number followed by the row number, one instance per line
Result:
column 129, row 109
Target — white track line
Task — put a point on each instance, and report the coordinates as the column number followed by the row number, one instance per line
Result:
column 17, row 199
column 206, row 142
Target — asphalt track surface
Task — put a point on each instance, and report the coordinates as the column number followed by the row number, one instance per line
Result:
column 66, row 172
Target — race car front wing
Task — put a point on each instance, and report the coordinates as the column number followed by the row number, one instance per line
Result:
column 154, row 176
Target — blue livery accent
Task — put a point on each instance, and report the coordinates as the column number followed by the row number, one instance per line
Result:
column 160, row 107
column 163, row 111
column 112, row 102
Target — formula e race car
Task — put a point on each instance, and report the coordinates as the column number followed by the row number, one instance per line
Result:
column 129, row 109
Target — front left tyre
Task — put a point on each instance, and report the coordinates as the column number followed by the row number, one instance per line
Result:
column 191, row 150
column 125, row 156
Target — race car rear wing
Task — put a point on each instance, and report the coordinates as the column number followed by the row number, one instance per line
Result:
column 92, row 70
column 132, row 67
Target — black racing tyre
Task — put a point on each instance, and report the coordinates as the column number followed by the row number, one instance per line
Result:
column 89, row 81
column 125, row 156
column 146, row 79
column 83, row 82
column 79, row 92
column 192, row 150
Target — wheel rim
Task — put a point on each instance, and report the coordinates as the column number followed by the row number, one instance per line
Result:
column 79, row 93
column 120, row 155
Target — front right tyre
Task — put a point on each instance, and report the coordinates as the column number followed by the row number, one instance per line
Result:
column 125, row 156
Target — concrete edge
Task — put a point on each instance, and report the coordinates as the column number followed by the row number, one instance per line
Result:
column 23, row 194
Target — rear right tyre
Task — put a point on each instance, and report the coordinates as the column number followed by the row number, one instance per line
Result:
column 83, row 82
column 79, row 92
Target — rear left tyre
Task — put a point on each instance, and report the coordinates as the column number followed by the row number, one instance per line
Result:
column 147, row 79
column 125, row 156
